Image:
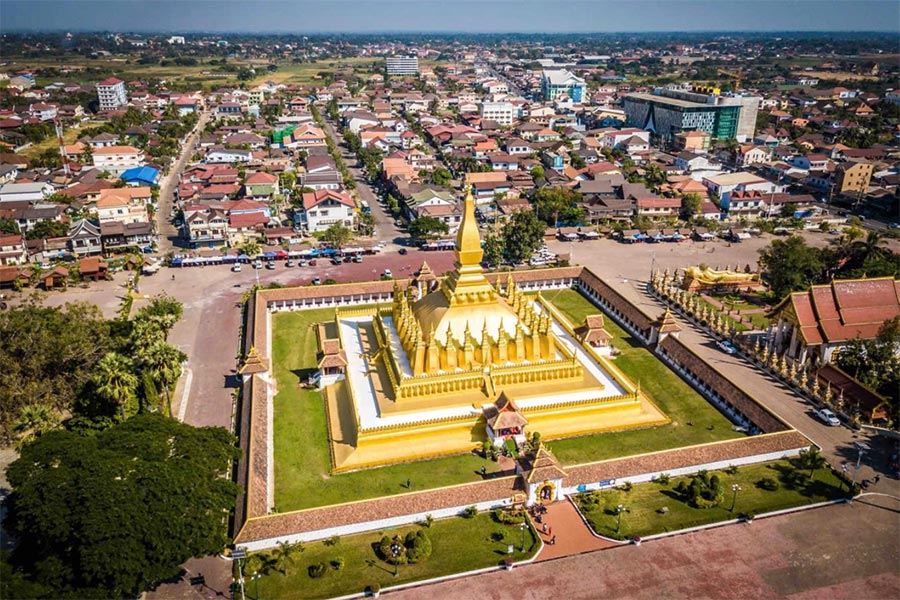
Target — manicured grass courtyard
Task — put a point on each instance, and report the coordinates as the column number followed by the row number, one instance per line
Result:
column 458, row 545
column 678, row 400
column 302, row 459
column 644, row 505
column 303, row 476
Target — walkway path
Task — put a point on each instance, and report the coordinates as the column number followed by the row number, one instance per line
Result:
column 572, row 534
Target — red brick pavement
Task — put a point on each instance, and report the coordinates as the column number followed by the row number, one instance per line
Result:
column 572, row 534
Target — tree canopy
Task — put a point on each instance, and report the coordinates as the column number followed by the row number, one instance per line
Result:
column 522, row 235
column 558, row 206
column 112, row 513
column 791, row 265
column 426, row 228
column 875, row 363
column 337, row 235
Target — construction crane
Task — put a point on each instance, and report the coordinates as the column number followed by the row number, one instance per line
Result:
column 736, row 75
column 57, row 124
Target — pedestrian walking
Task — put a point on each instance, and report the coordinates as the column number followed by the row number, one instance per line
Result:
column 483, row 470
column 408, row 483
column 553, row 541
column 877, row 479
column 550, row 531
column 545, row 528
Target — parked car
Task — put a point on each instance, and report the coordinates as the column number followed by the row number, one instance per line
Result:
column 289, row 263
column 336, row 260
column 257, row 264
column 827, row 417
column 312, row 262
column 270, row 264
column 316, row 281
column 357, row 259
column 302, row 263
column 236, row 268
column 403, row 251
column 387, row 274
column 727, row 347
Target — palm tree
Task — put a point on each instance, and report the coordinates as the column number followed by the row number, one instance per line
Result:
column 283, row 555
column 149, row 330
column 811, row 459
column 115, row 380
column 33, row 421
column 251, row 249
column 871, row 246
column 164, row 360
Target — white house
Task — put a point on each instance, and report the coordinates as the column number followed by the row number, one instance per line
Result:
column 117, row 159
column 124, row 205
column 229, row 155
column 324, row 208
column 502, row 112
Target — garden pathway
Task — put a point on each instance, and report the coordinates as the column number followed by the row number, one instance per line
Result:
column 572, row 534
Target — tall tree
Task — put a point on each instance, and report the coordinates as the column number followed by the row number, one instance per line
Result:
column 791, row 265
column 427, row 228
column 163, row 361
column 494, row 248
column 110, row 514
column 522, row 235
column 115, row 381
column 337, row 235
column 690, row 206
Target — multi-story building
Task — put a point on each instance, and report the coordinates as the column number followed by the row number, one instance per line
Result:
column 502, row 112
column 117, row 159
column 111, row 93
column 852, row 178
column 402, row 65
column 668, row 112
column 324, row 208
column 556, row 82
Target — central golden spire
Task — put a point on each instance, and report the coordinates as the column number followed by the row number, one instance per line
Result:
column 467, row 284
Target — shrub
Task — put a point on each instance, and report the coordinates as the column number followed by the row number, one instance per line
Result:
column 498, row 536
column 418, row 546
column 732, row 470
column 338, row 563
column 767, row 483
column 470, row 512
column 663, row 478
column 317, row 570
column 333, row 540
column 509, row 517
column 386, row 553
column 428, row 522
column 702, row 491
column 373, row 588
column 626, row 487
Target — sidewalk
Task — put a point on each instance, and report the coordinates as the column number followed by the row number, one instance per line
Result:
column 572, row 534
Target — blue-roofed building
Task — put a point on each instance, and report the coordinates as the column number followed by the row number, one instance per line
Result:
column 140, row 176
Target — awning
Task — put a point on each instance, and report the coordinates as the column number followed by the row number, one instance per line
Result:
column 270, row 254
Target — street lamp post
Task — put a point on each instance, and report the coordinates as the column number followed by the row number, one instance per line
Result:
column 735, row 488
column 255, row 579
column 395, row 552
column 861, row 448
column 619, row 510
column 237, row 555
column 522, row 526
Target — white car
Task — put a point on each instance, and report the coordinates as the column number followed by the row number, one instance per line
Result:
column 387, row 274
column 727, row 347
column 236, row 267
column 827, row 417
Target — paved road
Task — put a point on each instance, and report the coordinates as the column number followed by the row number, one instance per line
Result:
column 168, row 233
column 613, row 261
column 385, row 230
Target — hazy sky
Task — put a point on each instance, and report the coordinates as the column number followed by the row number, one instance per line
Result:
column 305, row 16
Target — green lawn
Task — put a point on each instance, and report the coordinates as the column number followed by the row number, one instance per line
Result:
column 458, row 545
column 669, row 392
column 643, row 504
column 302, row 459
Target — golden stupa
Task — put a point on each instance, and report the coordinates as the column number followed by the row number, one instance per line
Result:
column 446, row 353
column 467, row 327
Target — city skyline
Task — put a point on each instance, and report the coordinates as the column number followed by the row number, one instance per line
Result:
column 432, row 16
